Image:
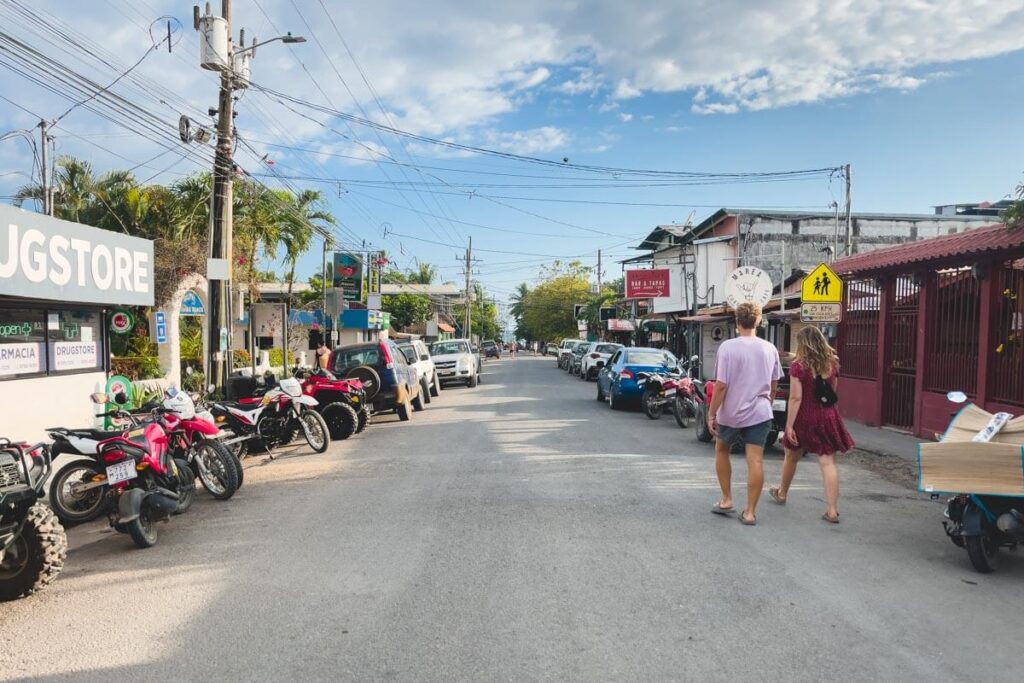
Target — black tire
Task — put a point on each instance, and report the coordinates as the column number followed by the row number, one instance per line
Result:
column 369, row 377
column 314, row 428
column 36, row 557
column 364, row 419
column 419, row 403
column 215, row 467
column 435, row 386
column 237, row 462
column 612, row 403
column 89, row 506
column 704, row 434
column 473, row 381
column 404, row 410
column 341, row 420
column 682, row 408
column 239, row 449
column 982, row 552
column 600, row 394
column 142, row 529
column 187, row 488
column 425, row 390
column 648, row 402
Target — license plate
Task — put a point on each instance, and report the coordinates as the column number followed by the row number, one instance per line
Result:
column 447, row 373
column 121, row 471
column 779, row 405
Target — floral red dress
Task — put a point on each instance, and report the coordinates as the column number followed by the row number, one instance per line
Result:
column 819, row 429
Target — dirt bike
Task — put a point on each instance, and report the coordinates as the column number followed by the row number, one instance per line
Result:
column 275, row 417
column 193, row 436
column 33, row 545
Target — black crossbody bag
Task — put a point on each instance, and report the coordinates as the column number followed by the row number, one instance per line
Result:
column 824, row 393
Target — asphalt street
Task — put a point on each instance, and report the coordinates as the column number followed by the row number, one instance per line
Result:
column 522, row 531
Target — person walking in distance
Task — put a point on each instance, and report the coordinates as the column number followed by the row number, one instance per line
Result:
column 323, row 355
column 746, row 376
column 813, row 423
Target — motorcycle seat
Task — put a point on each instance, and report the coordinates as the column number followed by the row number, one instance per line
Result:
column 249, row 400
column 248, row 406
column 94, row 434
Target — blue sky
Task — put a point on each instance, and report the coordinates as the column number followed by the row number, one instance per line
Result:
column 921, row 100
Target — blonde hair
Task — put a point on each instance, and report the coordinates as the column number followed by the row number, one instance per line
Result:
column 814, row 353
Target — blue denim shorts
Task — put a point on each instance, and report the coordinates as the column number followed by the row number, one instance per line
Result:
column 755, row 435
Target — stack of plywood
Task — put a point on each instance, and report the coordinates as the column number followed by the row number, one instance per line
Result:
column 959, row 465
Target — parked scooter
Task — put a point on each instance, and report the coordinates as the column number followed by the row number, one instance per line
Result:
column 659, row 391
column 275, row 417
column 981, row 523
column 33, row 545
column 146, row 484
column 688, row 393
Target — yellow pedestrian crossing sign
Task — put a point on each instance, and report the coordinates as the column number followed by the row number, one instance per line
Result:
column 822, row 285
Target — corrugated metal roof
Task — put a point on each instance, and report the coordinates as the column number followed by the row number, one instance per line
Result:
column 963, row 245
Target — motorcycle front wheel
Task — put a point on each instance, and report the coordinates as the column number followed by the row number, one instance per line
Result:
column 315, row 430
column 186, row 487
column 651, row 404
column 215, row 466
column 683, row 408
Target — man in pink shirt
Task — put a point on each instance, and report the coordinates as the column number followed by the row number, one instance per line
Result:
column 747, row 372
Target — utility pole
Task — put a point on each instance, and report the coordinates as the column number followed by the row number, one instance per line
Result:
column 323, row 285
column 47, row 196
column 599, row 272
column 849, row 217
column 221, row 223
column 469, row 294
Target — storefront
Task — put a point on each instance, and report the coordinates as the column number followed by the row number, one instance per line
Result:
column 59, row 285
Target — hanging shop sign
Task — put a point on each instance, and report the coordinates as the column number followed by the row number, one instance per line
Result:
column 821, row 313
column 192, row 305
column 348, row 275
column 42, row 257
column 621, row 325
column 121, row 321
column 748, row 284
column 647, row 284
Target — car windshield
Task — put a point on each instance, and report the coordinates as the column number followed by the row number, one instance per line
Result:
column 350, row 358
column 409, row 352
column 488, row 344
column 652, row 357
column 443, row 348
column 607, row 348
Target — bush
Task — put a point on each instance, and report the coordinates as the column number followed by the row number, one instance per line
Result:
column 195, row 382
column 277, row 357
column 241, row 359
column 136, row 367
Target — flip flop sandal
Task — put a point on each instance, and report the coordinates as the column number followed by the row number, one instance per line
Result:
column 774, row 493
column 747, row 522
column 716, row 509
column 831, row 520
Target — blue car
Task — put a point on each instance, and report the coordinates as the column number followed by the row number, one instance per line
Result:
column 616, row 383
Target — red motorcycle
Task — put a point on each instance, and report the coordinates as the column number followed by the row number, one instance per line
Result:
column 193, row 438
column 145, row 483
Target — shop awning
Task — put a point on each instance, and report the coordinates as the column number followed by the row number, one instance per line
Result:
column 705, row 318
column 445, row 327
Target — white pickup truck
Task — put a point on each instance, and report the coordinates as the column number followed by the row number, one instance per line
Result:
column 418, row 356
column 456, row 362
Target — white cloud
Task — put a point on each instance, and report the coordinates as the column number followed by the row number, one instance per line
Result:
column 533, row 141
column 533, row 79
column 625, row 118
column 716, row 108
column 607, row 107
column 585, row 82
column 648, row 117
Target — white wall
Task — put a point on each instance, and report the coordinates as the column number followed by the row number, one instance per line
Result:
column 31, row 405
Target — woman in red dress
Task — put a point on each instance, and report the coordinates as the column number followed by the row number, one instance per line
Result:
column 812, row 427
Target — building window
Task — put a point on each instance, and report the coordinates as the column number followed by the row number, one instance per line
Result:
column 40, row 341
column 22, row 342
column 859, row 356
column 952, row 338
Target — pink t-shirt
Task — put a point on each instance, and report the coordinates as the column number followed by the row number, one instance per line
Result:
column 747, row 366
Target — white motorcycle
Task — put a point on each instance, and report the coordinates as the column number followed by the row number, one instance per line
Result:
column 275, row 417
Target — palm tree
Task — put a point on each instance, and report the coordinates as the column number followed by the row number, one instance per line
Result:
column 73, row 186
column 425, row 274
column 305, row 213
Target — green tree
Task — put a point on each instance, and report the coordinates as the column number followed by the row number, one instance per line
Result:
column 407, row 309
column 548, row 309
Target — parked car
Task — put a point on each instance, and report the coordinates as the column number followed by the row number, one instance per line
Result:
column 551, row 349
column 596, row 358
column 490, row 349
column 418, row 355
column 565, row 350
column 388, row 379
column 456, row 362
column 576, row 359
column 616, row 382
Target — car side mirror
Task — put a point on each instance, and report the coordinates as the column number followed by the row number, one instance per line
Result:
column 425, row 357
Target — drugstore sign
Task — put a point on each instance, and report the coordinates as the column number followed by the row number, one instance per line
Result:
column 47, row 258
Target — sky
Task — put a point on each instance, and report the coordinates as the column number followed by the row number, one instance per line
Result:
column 921, row 97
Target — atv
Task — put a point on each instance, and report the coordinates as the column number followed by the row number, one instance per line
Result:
column 342, row 402
column 33, row 545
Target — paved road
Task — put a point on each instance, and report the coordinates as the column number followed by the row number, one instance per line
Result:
column 522, row 531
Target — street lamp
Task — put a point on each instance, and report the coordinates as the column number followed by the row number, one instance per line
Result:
column 288, row 39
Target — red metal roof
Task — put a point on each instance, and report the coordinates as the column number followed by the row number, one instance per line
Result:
column 962, row 245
